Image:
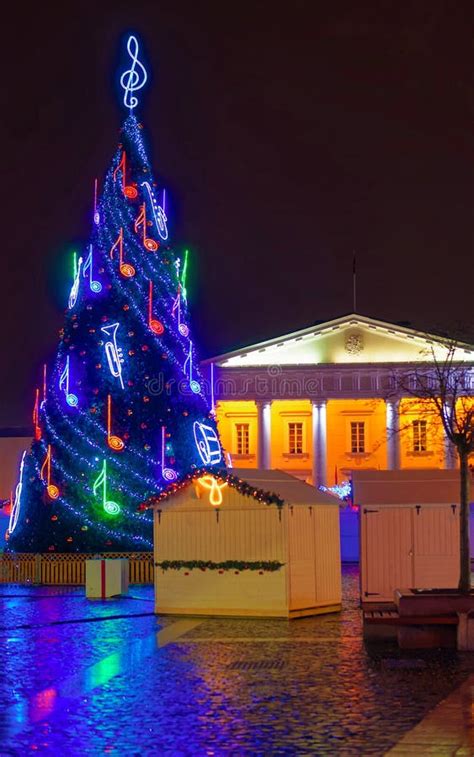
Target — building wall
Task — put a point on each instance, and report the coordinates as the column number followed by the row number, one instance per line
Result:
column 283, row 413
column 229, row 414
column 11, row 449
column 340, row 458
column 434, row 456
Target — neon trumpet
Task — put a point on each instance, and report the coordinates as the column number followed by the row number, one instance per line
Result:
column 113, row 352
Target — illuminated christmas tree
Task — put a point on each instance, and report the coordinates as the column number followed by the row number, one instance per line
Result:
column 122, row 415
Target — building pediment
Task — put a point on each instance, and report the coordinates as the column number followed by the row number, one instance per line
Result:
column 352, row 339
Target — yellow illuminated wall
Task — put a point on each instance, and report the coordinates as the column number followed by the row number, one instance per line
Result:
column 228, row 415
column 284, row 413
column 411, row 411
column 340, row 458
column 339, row 415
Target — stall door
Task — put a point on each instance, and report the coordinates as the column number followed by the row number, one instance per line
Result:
column 387, row 552
column 436, row 542
column 302, row 558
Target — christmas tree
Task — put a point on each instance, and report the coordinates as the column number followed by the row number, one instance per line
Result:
column 122, row 415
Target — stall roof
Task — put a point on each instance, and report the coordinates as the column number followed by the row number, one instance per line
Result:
column 291, row 489
column 406, row 487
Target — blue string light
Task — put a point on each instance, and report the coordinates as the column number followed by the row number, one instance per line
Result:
column 113, row 352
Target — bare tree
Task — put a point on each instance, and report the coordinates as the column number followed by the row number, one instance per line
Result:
column 444, row 384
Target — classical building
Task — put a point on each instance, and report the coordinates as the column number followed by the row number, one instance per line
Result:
column 323, row 401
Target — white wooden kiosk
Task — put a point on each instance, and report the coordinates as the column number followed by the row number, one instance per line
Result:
column 266, row 560
column 409, row 530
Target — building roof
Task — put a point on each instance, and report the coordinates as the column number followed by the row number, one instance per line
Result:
column 350, row 338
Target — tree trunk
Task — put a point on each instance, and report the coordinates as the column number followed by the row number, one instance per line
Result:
column 465, row 572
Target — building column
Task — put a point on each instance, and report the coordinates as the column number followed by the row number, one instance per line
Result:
column 393, row 434
column 319, row 442
column 450, row 454
column 264, row 431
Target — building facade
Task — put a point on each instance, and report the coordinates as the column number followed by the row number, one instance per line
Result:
column 323, row 401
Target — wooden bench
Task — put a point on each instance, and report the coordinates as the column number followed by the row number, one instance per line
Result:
column 410, row 631
column 392, row 618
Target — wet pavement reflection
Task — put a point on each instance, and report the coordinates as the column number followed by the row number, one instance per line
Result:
column 109, row 677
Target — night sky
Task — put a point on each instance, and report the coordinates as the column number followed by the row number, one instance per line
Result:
column 288, row 136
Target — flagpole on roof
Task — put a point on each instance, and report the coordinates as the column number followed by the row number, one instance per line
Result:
column 354, row 284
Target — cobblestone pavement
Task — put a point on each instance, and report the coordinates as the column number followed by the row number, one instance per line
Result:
column 95, row 678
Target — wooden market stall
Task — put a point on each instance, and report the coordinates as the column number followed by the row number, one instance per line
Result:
column 246, row 557
column 409, row 527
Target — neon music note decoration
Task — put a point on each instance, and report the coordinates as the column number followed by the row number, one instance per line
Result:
column 155, row 325
column 95, row 286
column 214, row 487
column 125, row 269
column 183, row 275
column 36, row 417
column 96, row 212
column 52, row 489
column 44, row 384
column 114, row 442
column 15, row 511
column 75, row 287
column 135, row 77
column 158, row 212
column 168, row 473
column 113, row 353
column 194, row 385
column 128, row 190
column 148, row 243
column 110, row 507
column 207, row 443
column 71, row 399
column 182, row 328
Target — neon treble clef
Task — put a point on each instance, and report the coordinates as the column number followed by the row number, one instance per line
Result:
column 133, row 79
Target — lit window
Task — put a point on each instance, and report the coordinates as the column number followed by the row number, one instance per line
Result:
column 242, row 432
column 419, row 436
column 295, row 438
column 357, row 437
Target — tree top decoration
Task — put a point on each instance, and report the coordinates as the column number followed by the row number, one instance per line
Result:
column 135, row 77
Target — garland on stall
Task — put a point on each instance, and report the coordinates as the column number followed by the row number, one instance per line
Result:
column 243, row 487
column 261, row 565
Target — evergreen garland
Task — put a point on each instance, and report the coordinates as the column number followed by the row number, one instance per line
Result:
column 243, row 487
column 239, row 565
